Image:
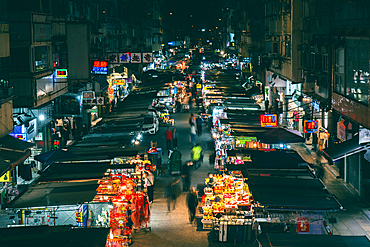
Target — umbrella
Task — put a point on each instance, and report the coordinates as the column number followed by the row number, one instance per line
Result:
column 54, row 155
column 280, row 135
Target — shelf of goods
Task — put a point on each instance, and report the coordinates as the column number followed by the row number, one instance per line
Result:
column 228, row 194
column 128, row 208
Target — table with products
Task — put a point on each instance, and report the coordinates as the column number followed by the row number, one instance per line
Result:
column 226, row 207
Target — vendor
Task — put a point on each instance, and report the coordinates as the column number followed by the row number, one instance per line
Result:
column 210, row 180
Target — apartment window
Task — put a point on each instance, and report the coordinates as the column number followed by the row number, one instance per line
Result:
column 325, row 62
column 357, row 69
column 41, row 57
column 339, row 71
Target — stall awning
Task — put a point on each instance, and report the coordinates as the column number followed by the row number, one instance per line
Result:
column 344, row 149
column 10, row 159
column 13, row 144
column 57, row 193
column 282, row 193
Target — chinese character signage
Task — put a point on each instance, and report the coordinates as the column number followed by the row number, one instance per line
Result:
column 88, row 95
column 100, row 68
column 147, row 57
column 268, row 120
column 310, row 126
column 341, row 130
column 136, row 58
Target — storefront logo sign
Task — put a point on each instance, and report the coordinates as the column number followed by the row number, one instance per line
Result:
column 310, row 126
column 268, row 120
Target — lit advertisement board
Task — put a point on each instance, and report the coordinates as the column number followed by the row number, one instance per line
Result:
column 268, row 120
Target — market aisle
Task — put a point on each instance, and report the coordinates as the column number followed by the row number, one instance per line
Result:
column 173, row 228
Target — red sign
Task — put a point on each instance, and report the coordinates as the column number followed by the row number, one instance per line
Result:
column 268, row 120
column 303, row 224
column 100, row 64
column 310, row 126
column 61, row 72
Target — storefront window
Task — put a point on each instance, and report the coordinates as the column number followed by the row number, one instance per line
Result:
column 357, row 69
column 339, row 71
column 41, row 58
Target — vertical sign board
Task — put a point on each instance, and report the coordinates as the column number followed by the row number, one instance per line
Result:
column 268, row 120
column 341, row 130
column 78, row 43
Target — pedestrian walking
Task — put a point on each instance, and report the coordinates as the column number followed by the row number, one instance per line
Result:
column 149, row 184
column 175, row 136
column 186, row 176
column 267, row 104
column 199, row 122
column 178, row 106
column 192, row 203
column 172, row 191
column 192, row 120
column 196, row 156
column 168, row 134
column 193, row 133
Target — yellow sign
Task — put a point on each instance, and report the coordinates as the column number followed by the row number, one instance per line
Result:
column 6, row 177
column 199, row 85
column 119, row 82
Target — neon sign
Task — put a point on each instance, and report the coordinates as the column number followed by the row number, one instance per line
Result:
column 268, row 120
column 61, row 72
column 100, row 67
column 310, row 126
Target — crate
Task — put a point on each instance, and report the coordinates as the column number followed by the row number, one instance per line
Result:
column 207, row 224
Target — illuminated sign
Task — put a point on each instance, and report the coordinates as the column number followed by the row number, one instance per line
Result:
column 100, row 67
column 119, row 82
column 268, row 120
column 61, row 72
column 22, row 137
column 310, row 126
column 88, row 95
column 56, row 144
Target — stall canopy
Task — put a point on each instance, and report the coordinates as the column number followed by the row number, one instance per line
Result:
column 58, row 236
column 279, row 159
column 13, row 152
column 280, row 135
column 309, row 240
column 281, row 193
column 343, row 149
column 57, row 193
column 54, row 155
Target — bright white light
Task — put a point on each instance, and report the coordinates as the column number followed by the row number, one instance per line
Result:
column 42, row 117
column 288, row 146
column 203, row 30
column 281, row 145
column 139, row 136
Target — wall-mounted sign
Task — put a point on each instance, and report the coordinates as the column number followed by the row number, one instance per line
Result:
column 100, row 68
column 268, row 120
column 88, row 95
column 120, row 82
column 341, row 130
column 61, row 72
column 310, row 126
column 56, row 144
column 6, row 177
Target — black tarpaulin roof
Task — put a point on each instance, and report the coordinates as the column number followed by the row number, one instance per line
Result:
column 57, row 193
column 309, row 240
column 279, row 193
column 280, row 135
column 14, row 144
column 57, row 236
column 279, row 159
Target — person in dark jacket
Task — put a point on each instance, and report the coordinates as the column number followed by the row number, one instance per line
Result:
column 186, row 179
column 199, row 121
column 192, row 203
column 172, row 191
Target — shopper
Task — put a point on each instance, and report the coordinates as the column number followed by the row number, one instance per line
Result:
column 192, row 120
column 175, row 136
column 149, row 184
column 193, row 133
column 267, row 104
column 168, row 134
column 178, row 106
column 196, row 156
column 192, row 203
column 199, row 122
column 186, row 179
column 172, row 191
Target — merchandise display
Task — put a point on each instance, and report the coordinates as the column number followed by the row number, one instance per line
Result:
column 224, row 194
